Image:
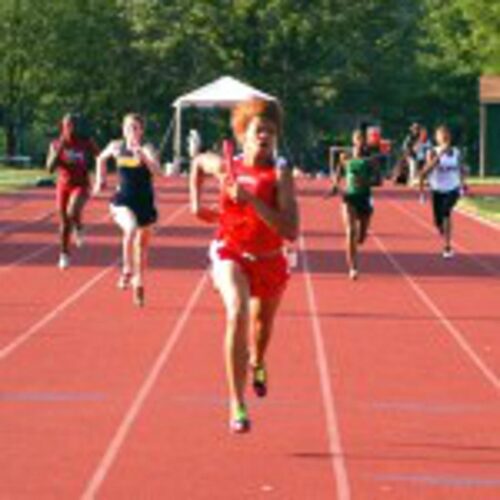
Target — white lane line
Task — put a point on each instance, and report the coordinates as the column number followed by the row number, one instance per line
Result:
column 33, row 330
column 10, row 228
column 33, row 255
column 334, row 440
column 23, row 338
column 480, row 220
column 27, row 258
column 426, row 225
column 145, row 389
column 19, row 201
column 455, row 333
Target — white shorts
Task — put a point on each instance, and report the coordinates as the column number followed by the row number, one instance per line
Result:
column 124, row 217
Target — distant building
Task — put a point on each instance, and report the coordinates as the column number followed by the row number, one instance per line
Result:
column 489, row 96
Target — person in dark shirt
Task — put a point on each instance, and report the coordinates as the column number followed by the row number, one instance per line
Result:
column 133, row 205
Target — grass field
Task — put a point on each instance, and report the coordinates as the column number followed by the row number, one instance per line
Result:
column 484, row 206
column 482, row 181
column 13, row 179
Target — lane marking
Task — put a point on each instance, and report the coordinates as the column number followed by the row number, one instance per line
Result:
column 27, row 258
column 426, row 225
column 145, row 389
column 34, row 329
column 19, row 200
column 10, row 228
column 477, row 218
column 41, row 251
column 445, row 322
column 334, row 440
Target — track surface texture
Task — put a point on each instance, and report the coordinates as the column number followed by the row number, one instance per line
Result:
column 382, row 388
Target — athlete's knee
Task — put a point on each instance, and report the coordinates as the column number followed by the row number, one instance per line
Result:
column 129, row 234
column 351, row 232
column 71, row 216
column 236, row 311
column 64, row 220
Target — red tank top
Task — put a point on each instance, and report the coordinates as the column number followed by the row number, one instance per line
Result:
column 72, row 161
column 241, row 227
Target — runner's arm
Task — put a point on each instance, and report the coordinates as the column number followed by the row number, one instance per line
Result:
column 336, row 177
column 285, row 218
column 110, row 151
column 148, row 155
column 203, row 166
column 53, row 156
column 464, row 170
column 430, row 164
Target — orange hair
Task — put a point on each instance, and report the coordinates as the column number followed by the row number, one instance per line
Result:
column 246, row 111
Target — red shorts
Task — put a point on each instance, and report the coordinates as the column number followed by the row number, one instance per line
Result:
column 65, row 191
column 267, row 276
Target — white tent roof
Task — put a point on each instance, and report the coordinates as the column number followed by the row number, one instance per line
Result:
column 224, row 92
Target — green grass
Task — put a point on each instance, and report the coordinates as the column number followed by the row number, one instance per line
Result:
column 487, row 207
column 14, row 179
column 483, row 181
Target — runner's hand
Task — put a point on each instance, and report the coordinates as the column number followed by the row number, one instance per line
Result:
column 236, row 192
column 333, row 191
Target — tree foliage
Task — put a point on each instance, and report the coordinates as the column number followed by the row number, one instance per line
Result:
column 331, row 62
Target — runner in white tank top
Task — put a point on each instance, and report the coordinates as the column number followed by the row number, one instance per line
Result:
column 445, row 174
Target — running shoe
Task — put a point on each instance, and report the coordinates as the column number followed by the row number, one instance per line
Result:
column 448, row 253
column 260, row 380
column 139, row 298
column 353, row 274
column 240, row 423
column 124, row 280
column 63, row 261
column 79, row 239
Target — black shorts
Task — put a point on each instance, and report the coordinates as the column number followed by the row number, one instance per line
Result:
column 361, row 203
column 143, row 208
column 442, row 205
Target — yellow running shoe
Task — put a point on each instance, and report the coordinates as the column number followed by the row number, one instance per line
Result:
column 260, row 380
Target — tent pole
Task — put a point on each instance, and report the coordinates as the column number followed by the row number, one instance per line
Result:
column 483, row 134
column 178, row 138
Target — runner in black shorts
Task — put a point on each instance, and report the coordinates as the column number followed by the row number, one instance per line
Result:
column 357, row 206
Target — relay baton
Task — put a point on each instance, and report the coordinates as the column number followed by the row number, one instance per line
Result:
column 228, row 155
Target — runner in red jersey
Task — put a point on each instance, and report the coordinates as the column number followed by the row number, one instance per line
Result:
column 256, row 215
column 70, row 155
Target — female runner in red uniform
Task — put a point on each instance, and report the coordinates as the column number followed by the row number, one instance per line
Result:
column 71, row 156
column 258, row 212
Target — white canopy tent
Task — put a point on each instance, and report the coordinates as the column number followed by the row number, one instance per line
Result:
column 225, row 92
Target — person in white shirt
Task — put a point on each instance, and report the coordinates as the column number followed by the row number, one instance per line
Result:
column 194, row 143
column 445, row 173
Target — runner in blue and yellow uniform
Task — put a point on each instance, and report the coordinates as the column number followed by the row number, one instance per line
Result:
column 132, row 207
column 357, row 206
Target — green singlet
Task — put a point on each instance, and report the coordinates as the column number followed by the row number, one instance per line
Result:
column 358, row 177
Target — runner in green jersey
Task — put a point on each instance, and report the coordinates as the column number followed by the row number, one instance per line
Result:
column 357, row 207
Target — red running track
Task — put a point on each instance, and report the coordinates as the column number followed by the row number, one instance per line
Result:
column 387, row 387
